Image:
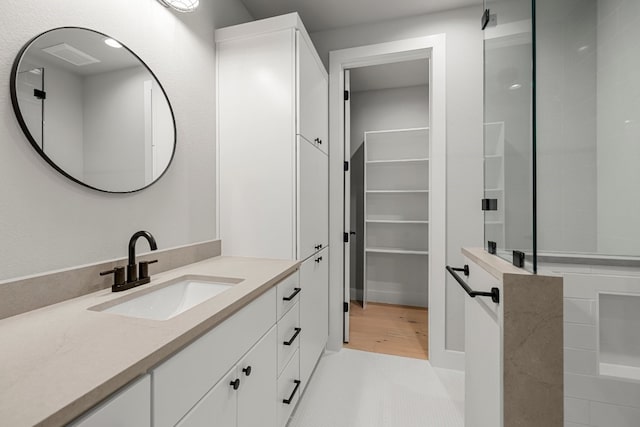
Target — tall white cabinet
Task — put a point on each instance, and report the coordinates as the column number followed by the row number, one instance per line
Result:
column 273, row 160
column 396, row 211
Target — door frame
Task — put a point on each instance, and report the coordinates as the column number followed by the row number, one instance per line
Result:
column 432, row 48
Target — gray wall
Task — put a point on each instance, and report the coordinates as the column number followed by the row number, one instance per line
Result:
column 48, row 222
column 464, row 126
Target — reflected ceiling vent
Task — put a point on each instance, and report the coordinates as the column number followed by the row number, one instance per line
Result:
column 71, row 55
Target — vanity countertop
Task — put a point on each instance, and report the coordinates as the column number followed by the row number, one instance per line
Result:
column 61, row 360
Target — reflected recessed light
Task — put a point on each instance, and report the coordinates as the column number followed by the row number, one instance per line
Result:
column 583, row 48
column 181, row 5
column 112, row 43
column 515, row 86
column 37, row 71
column 628, row 122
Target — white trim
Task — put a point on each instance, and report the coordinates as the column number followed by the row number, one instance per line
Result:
column 432, row 47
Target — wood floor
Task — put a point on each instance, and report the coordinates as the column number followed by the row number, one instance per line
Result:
column 389, row 329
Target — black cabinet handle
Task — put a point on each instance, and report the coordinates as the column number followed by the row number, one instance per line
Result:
column 318, row 259
column 296, row 291
column 247, row 370
column 235, row 384
column 318, row 141
column 494, row 294
column 293, row 338
column 318, row 246
column 293, row 393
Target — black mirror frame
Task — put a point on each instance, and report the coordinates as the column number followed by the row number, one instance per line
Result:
column 27, row 132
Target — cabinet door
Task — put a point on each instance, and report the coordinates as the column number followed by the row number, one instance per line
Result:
column 314, row 308
column 218, row 407
column 313, row 199
column 483, row 358
column 128, row 407
column 258, row 376
column 313, row 93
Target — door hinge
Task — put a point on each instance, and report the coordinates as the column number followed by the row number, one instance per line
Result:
column 346, row 95
column 39, row 94
column 346, row 166
column 346, row 307
column 489, row 204
column 345, row 237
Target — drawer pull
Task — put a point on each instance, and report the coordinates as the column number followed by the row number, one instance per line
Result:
column 247, row 370
column 318, row 141
column 293, row 393
column 318, row 246
column 296, row 291
column 293, row 338
column 318, row 259
column 494, row 294
column 235, row 384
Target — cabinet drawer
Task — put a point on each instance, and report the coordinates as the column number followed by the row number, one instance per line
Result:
column 288, row 332
column 289, row 389
column 182, row 380
column 129, row 407
column 287, row 293
column 314, row 311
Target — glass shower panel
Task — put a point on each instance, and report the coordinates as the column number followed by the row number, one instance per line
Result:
column 508, row 129
column 30, row 89
column 588, row 128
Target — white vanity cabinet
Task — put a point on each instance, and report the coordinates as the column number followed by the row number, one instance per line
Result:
column 130, row 406
column 272, row 106
column 273, row 168
column 314, row 305
column 180, row 382
column 313, row 233
column 245, row 396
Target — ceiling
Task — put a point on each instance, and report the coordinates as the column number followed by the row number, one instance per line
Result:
column 86, row 41
column 389, row 76
column 320, row 15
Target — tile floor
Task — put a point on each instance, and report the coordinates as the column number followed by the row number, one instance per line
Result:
column 352, row 388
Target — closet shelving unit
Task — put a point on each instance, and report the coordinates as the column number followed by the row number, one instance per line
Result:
column 396, row 210
column 494, row 181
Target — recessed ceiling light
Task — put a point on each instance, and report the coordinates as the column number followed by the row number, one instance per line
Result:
column 181, row 5
column 583, row 48
column 515, row 86
column 37, row 71
column 112, row 43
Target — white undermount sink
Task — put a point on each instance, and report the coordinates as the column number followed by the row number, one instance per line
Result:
column 165, row 301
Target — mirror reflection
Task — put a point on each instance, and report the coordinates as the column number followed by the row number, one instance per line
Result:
column 93, row 110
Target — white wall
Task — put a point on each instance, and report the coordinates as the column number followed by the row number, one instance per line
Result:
column 464, row 126
column 114, row 155
column 386, row 109
column 48, row 222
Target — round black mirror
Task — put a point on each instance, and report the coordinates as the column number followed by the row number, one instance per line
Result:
column 93, row 110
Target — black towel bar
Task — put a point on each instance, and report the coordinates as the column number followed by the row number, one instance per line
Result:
column 494, row 294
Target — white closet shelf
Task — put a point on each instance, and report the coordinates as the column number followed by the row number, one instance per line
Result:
column 373, row 162
column 493, row 189
column 493, row 223
column 493, row 156
column 396, row 191
column 396, row 251
column 396, row 221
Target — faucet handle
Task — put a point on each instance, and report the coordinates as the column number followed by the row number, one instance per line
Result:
column 118, row 275
column 143, row 269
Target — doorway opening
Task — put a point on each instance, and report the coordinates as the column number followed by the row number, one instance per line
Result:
column 386, row 203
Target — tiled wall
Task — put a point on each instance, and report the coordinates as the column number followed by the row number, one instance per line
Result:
column 592, row 399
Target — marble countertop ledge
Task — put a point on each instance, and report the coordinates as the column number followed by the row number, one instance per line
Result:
column 61, row 360
column 493, row 264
